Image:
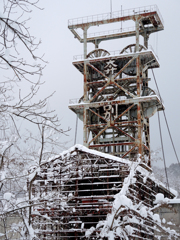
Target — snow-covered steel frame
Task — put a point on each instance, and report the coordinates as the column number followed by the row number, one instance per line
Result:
column 78, row 189
column 117, row 101
column 89, row 194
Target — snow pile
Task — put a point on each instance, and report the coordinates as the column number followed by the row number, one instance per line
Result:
column 89, row 232
column 7, row 196
column 116, row 226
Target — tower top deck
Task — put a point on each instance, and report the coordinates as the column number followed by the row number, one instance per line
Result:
column 149, row 16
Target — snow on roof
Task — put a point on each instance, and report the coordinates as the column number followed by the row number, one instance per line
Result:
column 149, row 50
column 142, row 168
column 95, row 152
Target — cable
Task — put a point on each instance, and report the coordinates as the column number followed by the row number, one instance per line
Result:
column 163, row 150
column 166, row 121
column 171, row 137
column 76, row 129
column 157, row 43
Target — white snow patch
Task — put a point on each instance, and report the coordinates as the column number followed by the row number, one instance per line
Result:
column 89, row 232
column 159, row 197
column 156, row 218
column 143, row 212
column 7, row 196
column 129, row 229
column 164, row 220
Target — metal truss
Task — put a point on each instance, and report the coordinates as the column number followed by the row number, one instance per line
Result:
column 117, row 101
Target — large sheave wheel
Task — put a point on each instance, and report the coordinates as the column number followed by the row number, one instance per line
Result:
column 98, row 53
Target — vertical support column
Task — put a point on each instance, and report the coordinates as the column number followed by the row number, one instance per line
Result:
column 85, row 66
column 146, row 38
column 140, row 150
column 85, row 130
column 139, row 106
column 85, row 41
column 137, row 35
column 85, row 89
column 96, row 44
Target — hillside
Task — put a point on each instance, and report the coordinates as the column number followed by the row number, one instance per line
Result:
column 173, row 172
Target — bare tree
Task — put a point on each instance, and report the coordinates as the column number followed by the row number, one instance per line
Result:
column 17, row 45
column 20, row 149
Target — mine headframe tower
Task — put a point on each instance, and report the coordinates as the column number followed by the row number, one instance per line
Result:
column 117, row 101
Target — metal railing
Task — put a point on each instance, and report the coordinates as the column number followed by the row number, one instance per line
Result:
column 112, row 53
column 110, row 32
column 117, row 14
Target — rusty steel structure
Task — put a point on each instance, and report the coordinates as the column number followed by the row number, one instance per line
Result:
column 77, row 190
column 117, row 101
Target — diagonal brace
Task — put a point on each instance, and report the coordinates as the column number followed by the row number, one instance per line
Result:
column 127, row 64
column 125, row 133
column 98, row 134
column 96, row 70
column 128, row 151
column 97, row 115
column 124, row 112
column 102, row 89
column 124, row 90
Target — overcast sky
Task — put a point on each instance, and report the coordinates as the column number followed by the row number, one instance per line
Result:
column 59, row 46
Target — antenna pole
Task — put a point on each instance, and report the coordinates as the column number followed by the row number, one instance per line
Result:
column 121, row 16
column 111, row 8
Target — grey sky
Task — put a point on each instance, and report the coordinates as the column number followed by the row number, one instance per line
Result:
column 59, row 46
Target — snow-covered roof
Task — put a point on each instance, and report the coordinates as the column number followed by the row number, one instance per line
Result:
column 94, row 152
column 142, row 167
column 81, row 176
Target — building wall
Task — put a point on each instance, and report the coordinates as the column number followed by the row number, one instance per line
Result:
column 171, row 214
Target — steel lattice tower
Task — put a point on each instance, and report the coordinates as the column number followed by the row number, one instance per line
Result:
column 117, row 101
